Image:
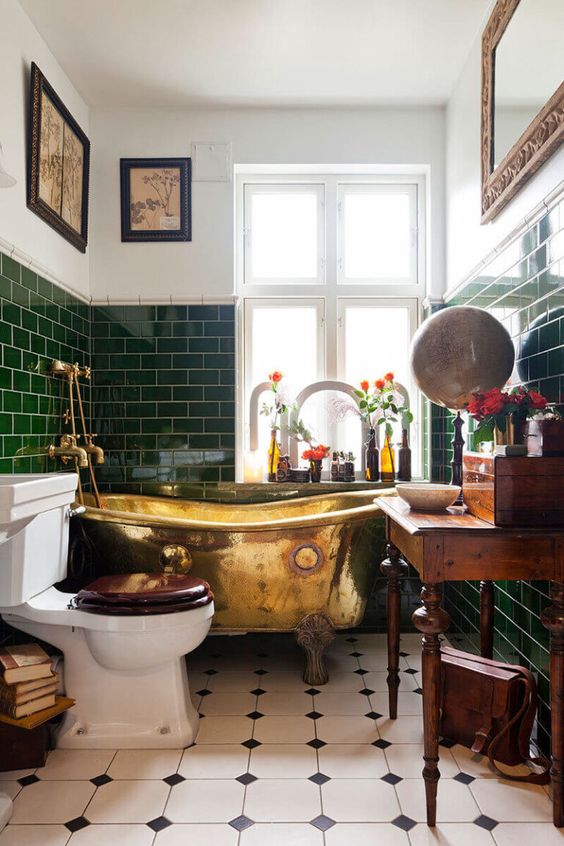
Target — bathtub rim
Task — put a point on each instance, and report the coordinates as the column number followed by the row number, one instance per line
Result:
column 330, row 518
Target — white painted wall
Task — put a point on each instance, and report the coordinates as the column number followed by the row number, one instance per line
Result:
column 269, row 136
column 468, row 242
column 20, row 44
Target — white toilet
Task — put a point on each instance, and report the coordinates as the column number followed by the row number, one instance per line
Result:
column 125, row 668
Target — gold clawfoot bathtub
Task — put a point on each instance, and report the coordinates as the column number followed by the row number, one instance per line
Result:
column 305, row 565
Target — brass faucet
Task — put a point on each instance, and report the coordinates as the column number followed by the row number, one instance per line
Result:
column 68, row 449
column 96, row 451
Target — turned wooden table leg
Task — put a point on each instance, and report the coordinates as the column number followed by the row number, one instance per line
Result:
column 487, row 608
column 431, row 620
column 393, row 567
column 553, row 620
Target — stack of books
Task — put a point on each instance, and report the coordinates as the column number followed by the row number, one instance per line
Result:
column 27, row 682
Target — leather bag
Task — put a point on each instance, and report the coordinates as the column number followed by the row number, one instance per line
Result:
column 490, row 708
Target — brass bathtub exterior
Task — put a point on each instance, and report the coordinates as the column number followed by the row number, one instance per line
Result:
column 269, row 565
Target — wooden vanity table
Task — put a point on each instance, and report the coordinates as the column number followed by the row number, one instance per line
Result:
column 455, row 546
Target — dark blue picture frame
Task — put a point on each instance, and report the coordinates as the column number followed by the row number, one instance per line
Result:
column 184, row 232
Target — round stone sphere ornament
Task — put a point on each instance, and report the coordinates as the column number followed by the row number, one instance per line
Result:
column 459, row 351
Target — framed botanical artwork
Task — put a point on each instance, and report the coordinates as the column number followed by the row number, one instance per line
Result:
column 58, row 164
column 155, row 199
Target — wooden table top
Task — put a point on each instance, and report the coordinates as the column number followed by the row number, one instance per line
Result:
column 452, row 520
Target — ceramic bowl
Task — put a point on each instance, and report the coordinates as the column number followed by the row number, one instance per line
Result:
column 428, row 497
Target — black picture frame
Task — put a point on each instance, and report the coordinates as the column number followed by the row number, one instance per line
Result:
column 70, row 160
column 183, row 232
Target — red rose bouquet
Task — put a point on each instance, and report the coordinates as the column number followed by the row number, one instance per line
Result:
column 497, row 408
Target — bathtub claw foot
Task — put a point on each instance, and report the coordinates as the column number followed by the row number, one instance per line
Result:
column 314, row 634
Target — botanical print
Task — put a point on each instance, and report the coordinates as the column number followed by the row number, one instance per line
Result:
column 73, row 164
column 50, row 154
column 154, row 198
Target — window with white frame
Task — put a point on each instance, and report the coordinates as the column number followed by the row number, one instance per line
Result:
column 330, row 272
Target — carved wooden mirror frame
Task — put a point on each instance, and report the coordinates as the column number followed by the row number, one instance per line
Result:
column 541, row 138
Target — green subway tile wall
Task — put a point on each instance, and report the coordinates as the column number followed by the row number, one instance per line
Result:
column 524, row 288
column 164, row 396
column 40, row 322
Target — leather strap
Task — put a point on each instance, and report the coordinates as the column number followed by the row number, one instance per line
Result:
column 526, row 714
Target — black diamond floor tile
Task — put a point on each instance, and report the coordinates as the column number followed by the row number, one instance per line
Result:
column 485, row 822
column 210, row 672
column 411, row 671
column 251, row 744
column 323, row 823
column 464, row 778
column 319, row 778
column 403, row 822
column 314, row 715
column 30, row 779
column 404, row 654
column 360, row 672
column 419, row 690
column 246, row 778
column 351, row 639
column 446, row 743
column 262, row 654
column 255, row 715
column 312, row 691
column 203, row 692
column 366, row 691
column 101, row 779
column 77, row 824
column 392, row 778
column 258, row 691
column 260, row 672
column 241, row 823
column 373, row 715
column 173, row 779
column 381, row 744
column 159, row 823
column 356, row 654
column 316, row 743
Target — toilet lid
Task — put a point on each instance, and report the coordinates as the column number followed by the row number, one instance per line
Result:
column 143, row 593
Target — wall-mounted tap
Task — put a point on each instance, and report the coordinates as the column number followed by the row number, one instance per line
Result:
column 96, row 451
column 68, row 449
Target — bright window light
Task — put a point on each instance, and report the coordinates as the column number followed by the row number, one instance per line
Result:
column 377, row 234
column 283, row 234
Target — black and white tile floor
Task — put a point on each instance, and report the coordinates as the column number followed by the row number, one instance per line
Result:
column 278, row 763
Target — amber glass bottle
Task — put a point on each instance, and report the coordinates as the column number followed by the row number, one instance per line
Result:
column 273, row 456
column 387, row 461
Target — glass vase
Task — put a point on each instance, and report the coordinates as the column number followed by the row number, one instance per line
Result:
column 315, row 469
column 372, row 473
column 273, row 456
column 387, row 461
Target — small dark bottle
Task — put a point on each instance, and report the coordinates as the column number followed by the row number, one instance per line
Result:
column 349, row 468
column 404, row 459
column 335, row 467
column 372, row 472
column 341, row 466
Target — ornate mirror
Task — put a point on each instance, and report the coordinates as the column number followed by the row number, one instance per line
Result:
column 522, row 95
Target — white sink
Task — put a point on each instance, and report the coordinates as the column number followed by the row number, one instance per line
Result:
column 25, row 495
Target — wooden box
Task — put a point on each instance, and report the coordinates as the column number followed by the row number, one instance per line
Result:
column 514, row 490
column 545, row 437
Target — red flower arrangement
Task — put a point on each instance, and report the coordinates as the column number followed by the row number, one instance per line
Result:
column 495, row 407
column 317, row 453
column 383, row 404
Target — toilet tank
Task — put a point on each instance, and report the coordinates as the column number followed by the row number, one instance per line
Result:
column 35, row 558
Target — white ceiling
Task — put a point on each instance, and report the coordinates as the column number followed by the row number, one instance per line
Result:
column 177, row 53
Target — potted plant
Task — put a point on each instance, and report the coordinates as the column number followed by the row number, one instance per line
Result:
column 273, row 411
column 501, row 415
column 379, row 403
